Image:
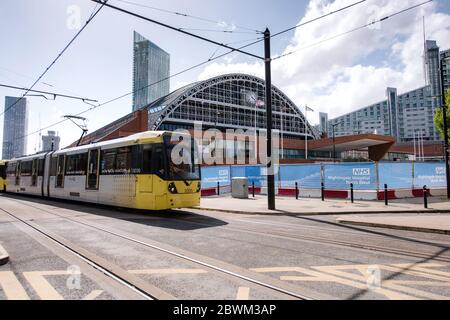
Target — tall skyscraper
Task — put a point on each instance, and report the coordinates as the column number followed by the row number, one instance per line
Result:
column 15, row 128
column 151, row 65
column 50, row 142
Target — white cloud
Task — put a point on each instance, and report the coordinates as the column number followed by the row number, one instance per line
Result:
column 351, row 71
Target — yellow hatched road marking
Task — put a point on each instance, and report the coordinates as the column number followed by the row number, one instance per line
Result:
column 93, row 295
column 420, row 283
column 12, row 287
column 426, row 268
column 42, row 287
column 323, row 277
column 243, row 293
column 339, row 271
column 168, row 271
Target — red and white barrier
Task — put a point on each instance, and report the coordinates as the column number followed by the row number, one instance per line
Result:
column 336, row 194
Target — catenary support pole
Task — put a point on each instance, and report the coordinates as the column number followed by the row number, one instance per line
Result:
column 444, row 116
column 270, row 162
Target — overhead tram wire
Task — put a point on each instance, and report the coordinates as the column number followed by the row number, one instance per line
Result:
column 32, row 78
column 129, row 93
column 136, row 15
column 258, row 40
column 217, row 31
column 353, row 30
column 188, row 15
column 56, row 59
column 48, row 93
column 212, row 58
column 318, row 18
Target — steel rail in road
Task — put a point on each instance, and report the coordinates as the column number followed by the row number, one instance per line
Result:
column 315, row 239
column 184, row 256
column 95, row 261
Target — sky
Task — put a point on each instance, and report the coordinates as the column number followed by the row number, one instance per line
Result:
column 334, row 76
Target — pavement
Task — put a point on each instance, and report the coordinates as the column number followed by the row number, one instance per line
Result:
column 308, row 206
column 420, row 223
column 4, row 257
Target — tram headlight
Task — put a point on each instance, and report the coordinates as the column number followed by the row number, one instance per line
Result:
column 172, row 188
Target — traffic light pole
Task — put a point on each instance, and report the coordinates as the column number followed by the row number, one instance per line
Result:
column 270, row 162
column 444, row 115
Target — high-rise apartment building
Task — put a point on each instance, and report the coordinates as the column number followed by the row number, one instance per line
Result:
column 151, row 68
column 15, row 127
column 405, row 116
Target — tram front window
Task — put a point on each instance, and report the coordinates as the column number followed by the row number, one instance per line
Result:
column 181, row 159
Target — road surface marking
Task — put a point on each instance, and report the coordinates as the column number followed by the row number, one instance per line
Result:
column 243, row 293
column 93, row 295
column 389, row 284
column 168, row 271
column 318, row 276
column 426, row 268
column 42, row 287
column 12, row 287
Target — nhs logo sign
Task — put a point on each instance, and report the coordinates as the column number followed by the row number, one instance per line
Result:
column 361, row 171
column 440, row 170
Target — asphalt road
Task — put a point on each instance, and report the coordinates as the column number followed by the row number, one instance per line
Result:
column 194, row 254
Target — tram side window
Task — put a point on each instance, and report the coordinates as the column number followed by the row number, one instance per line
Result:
column 26, row 168
column 53, row 165
column 119, row 161
column 108, row 161
column 123, row 160
column 76, row 164
column 153, row 159
column 11, row 169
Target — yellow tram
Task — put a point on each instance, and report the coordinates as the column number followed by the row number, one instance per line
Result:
column 137, row 171
column 2, row 176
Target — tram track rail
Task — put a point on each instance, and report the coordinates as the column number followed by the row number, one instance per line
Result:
column 292, row 291
column 115, row 273
column 342, row 243
column 425, row 256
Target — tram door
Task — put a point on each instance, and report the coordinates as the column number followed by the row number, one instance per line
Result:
column 17, row 180
column 93, row 169
column 34, row 169
column 60, row 167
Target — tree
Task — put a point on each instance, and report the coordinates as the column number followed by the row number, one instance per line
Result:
column 438, row 116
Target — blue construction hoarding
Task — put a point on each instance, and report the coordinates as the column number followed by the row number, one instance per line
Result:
column 363, row 175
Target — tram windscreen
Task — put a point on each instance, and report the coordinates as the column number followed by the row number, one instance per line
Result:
column 3, row 171
column 182, row 158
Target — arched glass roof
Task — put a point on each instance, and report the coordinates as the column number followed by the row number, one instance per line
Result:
column 228, row 101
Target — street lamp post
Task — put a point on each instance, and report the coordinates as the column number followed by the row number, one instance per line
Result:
column 306, row 130
column 334, row 144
